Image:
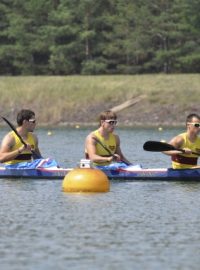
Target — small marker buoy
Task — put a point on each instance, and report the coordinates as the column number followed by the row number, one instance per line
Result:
column 86, row 179
column 49, row 133
column 160, row 129
column 77, row 126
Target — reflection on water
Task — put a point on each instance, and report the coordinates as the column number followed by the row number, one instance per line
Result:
column 137, row 225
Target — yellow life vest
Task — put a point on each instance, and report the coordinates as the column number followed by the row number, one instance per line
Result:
column 184, row 161
column 25, row 156
column 110, row 143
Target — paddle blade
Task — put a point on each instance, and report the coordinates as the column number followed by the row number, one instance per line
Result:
column 157, row 146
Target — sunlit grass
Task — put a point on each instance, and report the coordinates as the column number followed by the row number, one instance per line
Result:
column 57, row 99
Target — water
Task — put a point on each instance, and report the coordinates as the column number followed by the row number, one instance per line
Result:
column 137, row 225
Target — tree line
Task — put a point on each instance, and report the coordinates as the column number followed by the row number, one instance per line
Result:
column 62, row 37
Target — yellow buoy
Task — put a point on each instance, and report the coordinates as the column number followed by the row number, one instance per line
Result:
column 86, row 180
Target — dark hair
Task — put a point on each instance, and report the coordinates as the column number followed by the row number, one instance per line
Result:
column 191, row 116
column 24, row 115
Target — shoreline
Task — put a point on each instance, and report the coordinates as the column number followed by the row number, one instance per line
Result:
column 80, row 125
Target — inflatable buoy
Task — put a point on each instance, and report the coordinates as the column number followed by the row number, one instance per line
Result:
column 86, row 180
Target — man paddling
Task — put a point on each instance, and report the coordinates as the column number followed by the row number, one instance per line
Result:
column 12, row 149
column 188, row 141
column 102, row 146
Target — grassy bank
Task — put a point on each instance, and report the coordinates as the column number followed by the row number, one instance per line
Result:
column 78, row 99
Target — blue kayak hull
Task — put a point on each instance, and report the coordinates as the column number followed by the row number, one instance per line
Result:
column 155, row 174
column 128, row 173
column 39, row 173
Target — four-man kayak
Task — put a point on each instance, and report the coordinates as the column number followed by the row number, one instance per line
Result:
column 115, row 173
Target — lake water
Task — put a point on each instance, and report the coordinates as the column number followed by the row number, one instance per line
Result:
column 137, row 225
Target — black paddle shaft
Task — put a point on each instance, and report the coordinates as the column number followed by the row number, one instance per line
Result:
column 34, row 154
column 108, row 150
column 14, row 129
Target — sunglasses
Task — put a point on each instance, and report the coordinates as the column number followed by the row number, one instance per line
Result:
column 32, row 121
column 197, row 125
column 111, row 122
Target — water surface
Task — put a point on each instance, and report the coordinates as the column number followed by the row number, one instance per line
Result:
column 137, row 225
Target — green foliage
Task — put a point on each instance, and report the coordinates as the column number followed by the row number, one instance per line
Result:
column 93, row 67
column 99, row 37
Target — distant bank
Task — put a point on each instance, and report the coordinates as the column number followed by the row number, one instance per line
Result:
column 77, row 100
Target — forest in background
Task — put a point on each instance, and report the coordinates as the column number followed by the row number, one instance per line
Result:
column 66, row 37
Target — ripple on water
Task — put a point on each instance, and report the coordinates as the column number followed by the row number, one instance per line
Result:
column 137, row 225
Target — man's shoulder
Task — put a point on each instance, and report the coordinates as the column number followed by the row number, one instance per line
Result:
column 10, row 135
column 32, row 135
column 181, row 137
column 8, row 139
column 90, row 135
column 115, row 135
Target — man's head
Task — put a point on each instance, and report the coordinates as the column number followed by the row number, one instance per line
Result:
column 27, row 115
column 108, row 118
column 193, row 121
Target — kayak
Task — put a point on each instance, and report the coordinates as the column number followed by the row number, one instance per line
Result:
column 154, row 174
column 120, row 173
column 34, row 173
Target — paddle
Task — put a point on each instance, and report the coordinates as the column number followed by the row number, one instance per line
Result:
column 108, row 150
column 35, row 155
column 155, row 146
